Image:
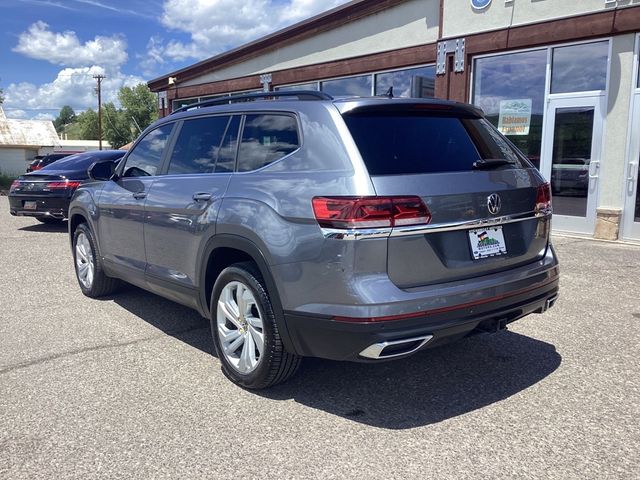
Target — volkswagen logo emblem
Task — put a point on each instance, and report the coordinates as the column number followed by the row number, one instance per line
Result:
column 480, row 4
column 494, row 203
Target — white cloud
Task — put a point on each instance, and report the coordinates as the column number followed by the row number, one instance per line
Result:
column 153, row 56
column 16, row 113
column 217, row 25
column 66, row 49
column 72, row 86
column 44, row 116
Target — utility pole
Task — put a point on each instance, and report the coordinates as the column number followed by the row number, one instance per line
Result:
column 99, row 78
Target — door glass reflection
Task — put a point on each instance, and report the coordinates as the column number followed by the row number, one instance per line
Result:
column 573, row 136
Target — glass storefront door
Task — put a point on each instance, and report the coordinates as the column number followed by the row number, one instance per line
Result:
column 631, row 227
column 571, row 152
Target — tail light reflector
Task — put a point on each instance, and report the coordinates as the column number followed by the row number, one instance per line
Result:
column 543, row 198
column 62, row 185
column 370, row 212
column 15, row 184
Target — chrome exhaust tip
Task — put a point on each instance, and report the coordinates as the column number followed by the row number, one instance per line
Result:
column 550, row 302
column 391, row 349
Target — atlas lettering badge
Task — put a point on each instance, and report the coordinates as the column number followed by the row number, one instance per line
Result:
column 480, row 4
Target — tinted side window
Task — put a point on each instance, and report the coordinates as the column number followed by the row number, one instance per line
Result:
column 205, row 145
column 265, row 139
column 146, row 156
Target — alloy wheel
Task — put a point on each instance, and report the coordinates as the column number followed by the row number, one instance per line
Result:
column 240, row 327
column 84, row 261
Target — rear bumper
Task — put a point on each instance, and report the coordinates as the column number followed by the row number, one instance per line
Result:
column 55, row 207
column 333, row 339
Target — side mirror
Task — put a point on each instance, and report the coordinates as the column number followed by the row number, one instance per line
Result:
column 102, row 170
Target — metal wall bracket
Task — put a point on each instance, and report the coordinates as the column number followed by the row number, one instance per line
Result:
column 265, row 80
column 456, row 47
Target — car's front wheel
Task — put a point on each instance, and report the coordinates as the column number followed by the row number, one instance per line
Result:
column 245, row 332
column 89, row 272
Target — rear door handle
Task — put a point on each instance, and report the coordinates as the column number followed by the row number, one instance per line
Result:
column 140, row 195
column 202, row 197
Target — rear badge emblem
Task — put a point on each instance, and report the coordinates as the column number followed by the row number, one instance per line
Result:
column 494, row 203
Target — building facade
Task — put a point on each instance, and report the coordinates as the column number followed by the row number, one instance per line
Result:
column 21, row 141
column 560, row 78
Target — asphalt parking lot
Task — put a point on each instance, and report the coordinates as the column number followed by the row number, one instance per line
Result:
column 127, row 387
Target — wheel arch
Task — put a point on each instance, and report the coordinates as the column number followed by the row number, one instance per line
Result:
column 224, row 250
column 75, row 219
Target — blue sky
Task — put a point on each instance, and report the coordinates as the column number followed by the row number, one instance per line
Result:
column 50, row 49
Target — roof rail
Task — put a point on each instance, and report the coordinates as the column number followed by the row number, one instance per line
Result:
column 300, row 94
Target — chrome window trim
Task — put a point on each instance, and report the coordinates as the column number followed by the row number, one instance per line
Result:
column 388, row 232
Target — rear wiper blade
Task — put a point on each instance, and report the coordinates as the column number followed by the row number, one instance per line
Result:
column 489, row 163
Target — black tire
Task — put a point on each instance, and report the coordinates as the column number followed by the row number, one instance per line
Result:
column 275, row 364
column 101, row 284
column 50, row 220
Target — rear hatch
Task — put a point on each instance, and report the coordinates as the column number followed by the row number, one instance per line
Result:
column 484, row 197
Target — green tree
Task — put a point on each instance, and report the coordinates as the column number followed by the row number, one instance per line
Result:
column 1, row 97
column 85, row 127
column 88, row 123
column 139, row 104
column 116, row 126
column 66, row 117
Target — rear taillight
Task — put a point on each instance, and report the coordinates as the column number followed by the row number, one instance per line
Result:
column 370, row 212
column 62, row 185
column 14, row 185
column 543, row 199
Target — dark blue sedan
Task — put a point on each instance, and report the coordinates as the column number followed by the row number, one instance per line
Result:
column 45, row 194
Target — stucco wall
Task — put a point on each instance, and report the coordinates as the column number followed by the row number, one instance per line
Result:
column 617, row 123
column 461, row 19
column 411, row 23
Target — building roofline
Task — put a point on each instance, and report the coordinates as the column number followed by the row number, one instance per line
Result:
column 324, row 21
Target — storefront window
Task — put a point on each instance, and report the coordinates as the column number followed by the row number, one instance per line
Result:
column 300, row 86
column 510, row 89
column 580, row 68
column 348, row 87
column 414, row 82
column 212, row 97
column 183, row 102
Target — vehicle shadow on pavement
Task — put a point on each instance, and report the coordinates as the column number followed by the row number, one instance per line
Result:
column 171, row 318
column 427, row 388
column 46, row 227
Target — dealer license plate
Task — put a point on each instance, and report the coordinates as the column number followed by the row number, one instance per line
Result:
column 30, row 205
column 487, row 242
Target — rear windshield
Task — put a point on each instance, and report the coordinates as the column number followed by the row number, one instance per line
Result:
column 401, row 144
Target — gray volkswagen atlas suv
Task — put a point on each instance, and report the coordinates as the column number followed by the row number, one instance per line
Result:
column 360, row 229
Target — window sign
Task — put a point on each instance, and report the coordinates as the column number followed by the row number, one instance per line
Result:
column 515, row 117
